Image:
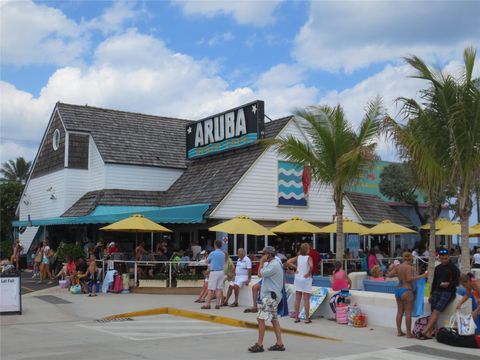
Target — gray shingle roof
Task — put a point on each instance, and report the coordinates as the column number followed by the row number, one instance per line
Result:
column 88, row 202
column 373, row 210
column 206, row 180
column 129, row 138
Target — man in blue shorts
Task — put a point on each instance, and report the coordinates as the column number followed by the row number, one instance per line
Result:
column 442, row 292
column 216, row 259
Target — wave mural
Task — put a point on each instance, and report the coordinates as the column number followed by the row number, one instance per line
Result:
column 290, row 187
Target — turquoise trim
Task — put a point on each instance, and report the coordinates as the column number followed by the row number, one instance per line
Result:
column 107, row 210
column 185, row 214
column 247, row 139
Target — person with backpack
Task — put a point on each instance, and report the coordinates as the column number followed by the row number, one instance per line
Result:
column 442, row 292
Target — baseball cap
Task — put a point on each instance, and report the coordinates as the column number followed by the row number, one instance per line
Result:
column 269, row 250
column 443, row 251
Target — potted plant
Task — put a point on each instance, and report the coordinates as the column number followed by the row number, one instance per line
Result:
column 157, row 281
column 187, row 280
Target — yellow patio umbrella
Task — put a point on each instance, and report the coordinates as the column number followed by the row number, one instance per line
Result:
column 349, row 227
column 296, row 225
column 455, row 229
column 439, row 224
column 242, row 224
column 386, row 227
column 476, row 229
column 136, row 223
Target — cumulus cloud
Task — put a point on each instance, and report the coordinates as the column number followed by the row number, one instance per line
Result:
column 350, row 35
column 38, row 34
column 114, row 18
column 256, row 13
column 137, row 72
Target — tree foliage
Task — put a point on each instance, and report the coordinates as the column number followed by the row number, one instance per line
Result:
column 10, row 193
column 17, row 170
column 337, row 154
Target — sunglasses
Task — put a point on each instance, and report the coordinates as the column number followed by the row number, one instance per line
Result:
column 444, row 252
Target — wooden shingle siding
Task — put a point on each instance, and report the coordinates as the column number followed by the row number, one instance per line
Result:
column 78, row 151
column 50, row 160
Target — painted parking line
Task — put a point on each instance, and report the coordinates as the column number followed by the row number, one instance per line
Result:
column 160, row 327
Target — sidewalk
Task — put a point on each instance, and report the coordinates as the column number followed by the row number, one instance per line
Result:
column 82, row 308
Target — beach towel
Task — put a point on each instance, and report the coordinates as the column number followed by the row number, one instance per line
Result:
column 419, row 297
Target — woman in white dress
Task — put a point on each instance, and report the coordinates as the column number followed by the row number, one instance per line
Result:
column 303, row 264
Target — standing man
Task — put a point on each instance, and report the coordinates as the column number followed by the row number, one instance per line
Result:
column 271, row 295
column 443, row 291
column 216, row 260
column 243, row 275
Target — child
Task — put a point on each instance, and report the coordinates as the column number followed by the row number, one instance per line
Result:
column 92, row 273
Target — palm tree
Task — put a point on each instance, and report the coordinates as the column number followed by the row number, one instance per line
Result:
column 449, row 122
column 336, row 154
column 17, row 170
column 419, row 143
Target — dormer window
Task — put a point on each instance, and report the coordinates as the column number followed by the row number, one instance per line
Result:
column 56, row 139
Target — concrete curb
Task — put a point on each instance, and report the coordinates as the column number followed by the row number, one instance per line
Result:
column 212, row 318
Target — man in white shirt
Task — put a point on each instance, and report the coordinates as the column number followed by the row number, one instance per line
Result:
column 243, row 275
column 476, row 260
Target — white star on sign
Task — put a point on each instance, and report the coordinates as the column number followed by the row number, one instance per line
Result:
column 254, row 109
column 189, row 130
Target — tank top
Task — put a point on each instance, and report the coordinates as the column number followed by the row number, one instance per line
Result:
column 302, row 266
column 339, row 281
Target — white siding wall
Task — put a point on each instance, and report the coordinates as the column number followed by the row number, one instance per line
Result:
column 147, row 178
column 40, row 205
column 256, row 194
column 76, row 183
column 96, row 168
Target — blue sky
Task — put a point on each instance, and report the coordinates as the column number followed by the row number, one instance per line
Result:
column 193, row 58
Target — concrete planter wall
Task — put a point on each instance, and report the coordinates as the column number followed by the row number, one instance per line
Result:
column 189, row 283
column 152, row 283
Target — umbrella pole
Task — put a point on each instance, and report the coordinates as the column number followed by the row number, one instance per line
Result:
column 245, row 245
column 266, row 240
column 151, row 242
column 234, row 244
column 314, row 241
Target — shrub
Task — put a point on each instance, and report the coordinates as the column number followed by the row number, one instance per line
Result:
column 73, row 251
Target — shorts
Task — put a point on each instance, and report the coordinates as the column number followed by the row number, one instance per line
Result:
column 215, row 280
column 441, row 299
column 267, row 310
column 240, row 281
column 45, row 261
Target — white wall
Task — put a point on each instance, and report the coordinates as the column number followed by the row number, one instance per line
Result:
column 256, row 193
column 96, row 168
column 132, row 177
column 37, row 201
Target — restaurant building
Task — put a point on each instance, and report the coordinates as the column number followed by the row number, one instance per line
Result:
column 96, row 166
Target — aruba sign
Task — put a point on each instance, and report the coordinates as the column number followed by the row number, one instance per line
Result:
column 228, row 130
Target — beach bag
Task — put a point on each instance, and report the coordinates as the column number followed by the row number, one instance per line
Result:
column 64, row 284
column 76, row 289
column 453, row 338
column 360, row 320
column 420, row 325
column 463, row 323
column 117, row 284
column 341, row 316
column 352, row 312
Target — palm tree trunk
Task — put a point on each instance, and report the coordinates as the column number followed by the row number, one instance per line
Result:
column 465, row 257
column 339, row 250
column 464, row 212
column 431, row 246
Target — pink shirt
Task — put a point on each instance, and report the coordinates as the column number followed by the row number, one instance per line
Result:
column 377, row 279
column 339, row 281
column 372, row 261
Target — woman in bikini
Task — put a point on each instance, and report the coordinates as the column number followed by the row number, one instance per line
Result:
column 404, row 293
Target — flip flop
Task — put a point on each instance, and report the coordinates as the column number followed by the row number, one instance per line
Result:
column 250, row 310
column 297, row 321
column 205, row 307
column 308, row 321
column 423, row 337
column 234, row 305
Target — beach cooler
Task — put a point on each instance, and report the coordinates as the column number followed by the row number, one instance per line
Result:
column 341, row 316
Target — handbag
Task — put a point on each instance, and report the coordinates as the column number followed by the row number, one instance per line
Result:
column 76, row 289
column 464, row 323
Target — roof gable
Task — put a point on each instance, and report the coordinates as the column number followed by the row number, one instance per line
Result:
column 129, row 138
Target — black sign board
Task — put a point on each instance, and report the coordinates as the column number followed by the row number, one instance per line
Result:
column 228, row 130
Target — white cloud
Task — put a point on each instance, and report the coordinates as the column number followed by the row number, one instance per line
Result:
column 348, row 35
column 114, row 18
column 257, row 13
column 38, row 34
column 217, row 39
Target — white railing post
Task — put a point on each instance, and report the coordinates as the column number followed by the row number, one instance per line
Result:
column 135, row 273
column 170, row 274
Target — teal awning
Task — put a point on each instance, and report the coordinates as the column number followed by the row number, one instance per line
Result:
column 185, row 214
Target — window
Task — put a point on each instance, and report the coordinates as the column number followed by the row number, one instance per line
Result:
column 56, row 139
